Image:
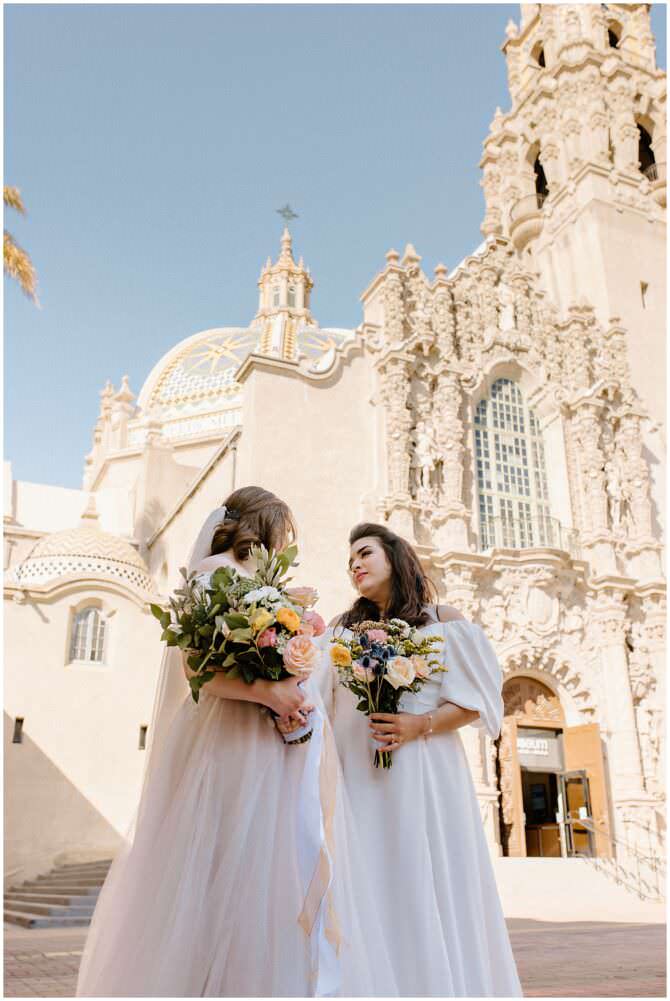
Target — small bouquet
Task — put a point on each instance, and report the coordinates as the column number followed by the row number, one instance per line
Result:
column 245, row 627
column 380, row 661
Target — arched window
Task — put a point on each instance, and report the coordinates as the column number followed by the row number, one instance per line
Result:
column 614, row 34
column 541, row 187
column 291, row 295
column 275, row 295
column 538, row 54
column 645, row 153
column 87, row 640
column 511, row 475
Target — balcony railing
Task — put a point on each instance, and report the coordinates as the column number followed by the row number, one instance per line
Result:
column 529, row 533
column 655, row 172
column 528, row 206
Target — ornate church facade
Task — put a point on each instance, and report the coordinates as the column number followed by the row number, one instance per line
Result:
column 507, row 417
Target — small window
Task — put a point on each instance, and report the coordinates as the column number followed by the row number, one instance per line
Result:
column 538, row 55
column 645, row 153
column 143, row 738
column 614, row 35
column 88, row 636
column 291, row 295
column 275, row 295
column 18, row 730
column 644, row 287
column 541, row 187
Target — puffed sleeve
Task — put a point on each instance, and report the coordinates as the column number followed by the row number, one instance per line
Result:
column 473, row 678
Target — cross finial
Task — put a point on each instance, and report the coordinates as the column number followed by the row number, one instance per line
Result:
column 287, row 213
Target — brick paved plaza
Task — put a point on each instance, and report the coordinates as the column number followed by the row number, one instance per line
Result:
column 588, row 959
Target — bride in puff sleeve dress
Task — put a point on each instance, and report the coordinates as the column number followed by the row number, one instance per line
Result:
column 239, row 879
column 421, row 832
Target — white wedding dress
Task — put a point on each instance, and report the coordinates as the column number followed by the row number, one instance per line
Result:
column 219, row 891
column 421, row 830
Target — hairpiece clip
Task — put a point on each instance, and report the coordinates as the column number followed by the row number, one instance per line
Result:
column 232, row 514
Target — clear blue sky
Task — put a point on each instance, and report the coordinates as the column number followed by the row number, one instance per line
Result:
column 152, row 145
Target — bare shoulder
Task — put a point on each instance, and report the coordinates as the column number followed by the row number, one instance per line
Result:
column 211, row 563
column 447, row 613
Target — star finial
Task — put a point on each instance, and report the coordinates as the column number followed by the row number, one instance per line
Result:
column 287, row 213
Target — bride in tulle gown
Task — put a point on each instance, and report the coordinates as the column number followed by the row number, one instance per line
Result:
column 239, row 876
column 419, row 821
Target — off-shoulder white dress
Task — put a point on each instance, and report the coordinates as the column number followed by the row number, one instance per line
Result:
column 421, row 831
column 223, row 888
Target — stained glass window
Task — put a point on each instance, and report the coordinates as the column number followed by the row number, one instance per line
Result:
column 511, row 474
column 88, row 635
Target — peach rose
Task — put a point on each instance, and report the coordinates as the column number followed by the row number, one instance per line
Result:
column 314, row 620
column 339, row 655
column 421, row 666
column 303, row 596
column 287, row 617
column 400, row 672
column 300, row 656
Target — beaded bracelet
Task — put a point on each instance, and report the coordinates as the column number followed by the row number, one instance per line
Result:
column 430, row 725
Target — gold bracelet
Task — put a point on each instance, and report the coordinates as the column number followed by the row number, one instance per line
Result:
column 430, row 725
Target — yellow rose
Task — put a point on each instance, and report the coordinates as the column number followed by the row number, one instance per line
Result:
column 287, row 617
column 339, row 655
column 421, row 666
column 260, row 620
column 400, row 672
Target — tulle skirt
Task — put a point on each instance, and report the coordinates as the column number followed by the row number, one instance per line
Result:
column 205, row 898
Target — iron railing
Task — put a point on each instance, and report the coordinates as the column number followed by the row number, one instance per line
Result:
column 655, row 172
column 642, row 872
column 538, row 532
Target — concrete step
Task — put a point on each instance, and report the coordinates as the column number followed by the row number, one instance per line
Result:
column 65, row 888
column 81, row 870
column 55, row 910
column 569, row 889
column 50, row 898
column 44, row 921
column 57, row 877
column 85, row 865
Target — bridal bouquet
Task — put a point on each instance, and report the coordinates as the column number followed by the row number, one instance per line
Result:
column 380, row 661
column 245, row 627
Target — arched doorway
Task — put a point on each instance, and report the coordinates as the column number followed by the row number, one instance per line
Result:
column 553, row 799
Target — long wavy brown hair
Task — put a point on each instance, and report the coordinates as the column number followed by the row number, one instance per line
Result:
column 411, row 589
column 253, row 516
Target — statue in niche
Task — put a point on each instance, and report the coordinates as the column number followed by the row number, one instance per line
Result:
column 616, row 493
column 506, row 307
column 424, row 459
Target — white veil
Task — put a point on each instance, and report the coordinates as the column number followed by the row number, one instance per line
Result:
column 172, row 687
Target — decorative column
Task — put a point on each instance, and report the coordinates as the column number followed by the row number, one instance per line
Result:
column 395, row 369
column 642, row 549
column 443, row 317
column 590, row 460
column 450, row 520
column 394, row 313
column 608, row 617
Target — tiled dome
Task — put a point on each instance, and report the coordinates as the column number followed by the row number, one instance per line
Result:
column 83, row 552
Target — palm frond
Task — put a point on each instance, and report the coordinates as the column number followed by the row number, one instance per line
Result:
column 18, row 265
column 12, row 198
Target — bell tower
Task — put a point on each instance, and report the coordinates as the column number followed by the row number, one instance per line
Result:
column 283, row 305
column 574, row 174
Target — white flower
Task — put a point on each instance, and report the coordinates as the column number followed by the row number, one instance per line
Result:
column 220, row 624
column 268, row 593
column 175, row 629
